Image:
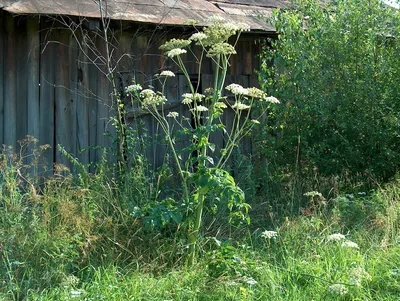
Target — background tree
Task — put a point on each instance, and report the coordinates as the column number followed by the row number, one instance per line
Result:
column 336, row 69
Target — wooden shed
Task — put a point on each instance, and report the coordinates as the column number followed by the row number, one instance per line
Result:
column 54, row 71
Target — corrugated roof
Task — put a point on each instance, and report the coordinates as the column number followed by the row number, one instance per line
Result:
column 169, row 12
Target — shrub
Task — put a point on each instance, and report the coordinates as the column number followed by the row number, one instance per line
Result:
column 335, row 66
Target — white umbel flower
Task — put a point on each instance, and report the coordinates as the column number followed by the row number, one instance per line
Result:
column 147, row 93
column 256, row 93
column 198, row 36
column 338, row 289
column 243, row 27
column 187, row 101
column 220, row 105
column 240, row 106
column 201, row 109
column 350, row 244
column 167, row 73
column 133, row 88
column 237, row 89
column 193, row 96
column 272, row 99
column 336, row 237
column 176, row 52
column 173, row 115
column 269, row 234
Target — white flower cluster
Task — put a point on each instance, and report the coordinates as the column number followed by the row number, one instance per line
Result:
column 70, row 280
column 201, row 108
column 243, row 27
column 336, row 237
column 176, row 52
column 198, row 36
column 167, row 73
column 236, row 27
column 133, row 88
column 256, row 93
column 237, row 89
column 350, row 244
column 147, row 93
column 272, row 99
column 187, row 101
column 269, row 234
column 338, row 289
column 357, row 275
column 173, row 115
column 240, row 106
column 345, row 243
column 220, row 105
column 188, row 98
column 313, row 194
column 150, row 98
column 221, row 48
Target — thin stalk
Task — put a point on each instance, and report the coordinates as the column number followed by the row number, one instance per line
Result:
column 193, row 235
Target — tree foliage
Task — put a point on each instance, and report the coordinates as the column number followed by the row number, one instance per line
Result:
column 336, row 69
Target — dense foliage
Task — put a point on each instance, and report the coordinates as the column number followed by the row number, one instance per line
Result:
column 128, row 233
column 336, row 69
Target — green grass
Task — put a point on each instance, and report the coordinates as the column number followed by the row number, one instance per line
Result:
column 295, row 266
column 74, row 241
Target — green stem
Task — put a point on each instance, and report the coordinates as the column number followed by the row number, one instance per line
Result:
column 194, row 234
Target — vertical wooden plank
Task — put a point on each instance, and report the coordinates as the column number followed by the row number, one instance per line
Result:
column 103, row 103
column 1, row 78
column 22, row 76
column 248, row 57
column 33, row 78
column 10, row 89
column 63, row 120
column 73, row 86
column 93, row 87
column 82, row 105
column 46, row 122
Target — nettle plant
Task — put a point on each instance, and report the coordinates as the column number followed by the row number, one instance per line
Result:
column 201, row 170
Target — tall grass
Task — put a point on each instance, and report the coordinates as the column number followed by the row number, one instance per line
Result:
column 78, row 237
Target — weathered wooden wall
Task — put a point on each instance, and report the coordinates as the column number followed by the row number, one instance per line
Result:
column 54, row 87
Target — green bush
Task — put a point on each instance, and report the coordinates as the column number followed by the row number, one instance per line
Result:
column 335, row 67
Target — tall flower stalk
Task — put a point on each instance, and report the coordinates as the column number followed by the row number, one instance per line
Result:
column 207, row 180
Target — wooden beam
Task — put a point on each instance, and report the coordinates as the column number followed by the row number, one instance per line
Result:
column 46, row 121
column 82, row 105
column 10, row 89
column 73, row 86
column 33, row 65
column 63, row 120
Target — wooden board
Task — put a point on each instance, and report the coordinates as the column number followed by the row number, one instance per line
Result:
column 103, row 104
column 63, row 113
column 33, row 80
column 22, row 78
column 82, row 102
column 92, row 106
column 46, row 120
column 73, row 52
column 10, row 87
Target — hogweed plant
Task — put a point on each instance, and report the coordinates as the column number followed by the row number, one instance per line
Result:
column 202, row 171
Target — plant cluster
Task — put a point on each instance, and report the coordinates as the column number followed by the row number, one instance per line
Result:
column 201, row 166
column 335, row 67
